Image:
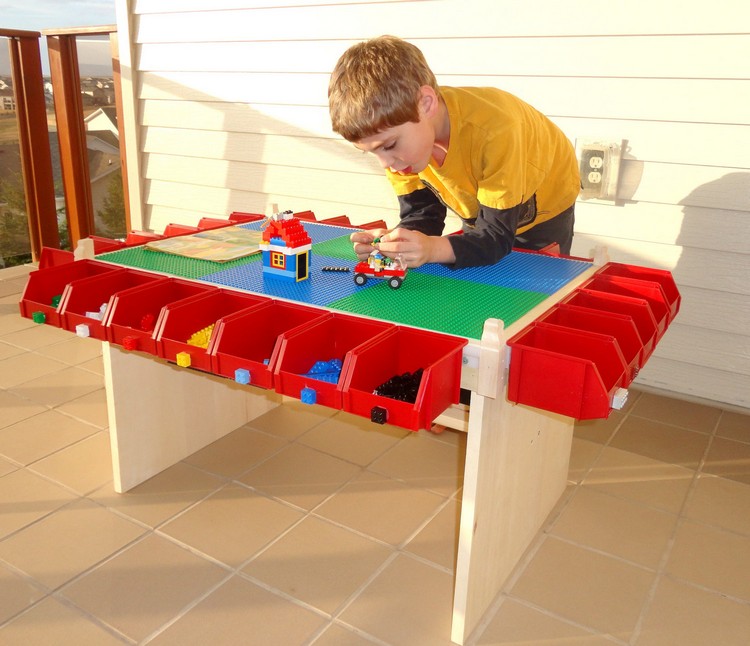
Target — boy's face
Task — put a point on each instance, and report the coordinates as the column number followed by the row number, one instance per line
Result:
column 403, row 149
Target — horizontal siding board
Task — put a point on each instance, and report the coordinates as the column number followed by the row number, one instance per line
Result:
column 684, row 56
column 360, row 189
column 282, row 150
column 703, row 268
column 602, row 98
column 722, row 386
column 708, row 348
column 717, row 229
column 434, row 19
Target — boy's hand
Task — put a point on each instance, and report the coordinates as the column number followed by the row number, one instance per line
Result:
column 415, row 249
column 363, row 240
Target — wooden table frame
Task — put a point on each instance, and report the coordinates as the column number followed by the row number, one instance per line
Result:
column 516, row 457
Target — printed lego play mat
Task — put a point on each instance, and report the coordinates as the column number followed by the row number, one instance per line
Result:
column 432, row 297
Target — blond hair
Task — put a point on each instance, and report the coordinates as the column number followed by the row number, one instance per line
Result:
column 376, row 85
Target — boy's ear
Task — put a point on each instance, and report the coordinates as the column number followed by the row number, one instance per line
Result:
column 428, row 101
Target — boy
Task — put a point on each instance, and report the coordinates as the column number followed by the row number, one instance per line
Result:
column 504, row 168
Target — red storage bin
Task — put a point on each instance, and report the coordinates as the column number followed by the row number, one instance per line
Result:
column 619, row 326
column 636, row 308
column 398, row 351
column 135, row 238
column 180, row 321
column 172, row 230
column 238, row 217
column 103, row 245
column 53, row 257
column 661, row 276
column 46, row 286
column 650, row 291
column 332, row 338
column 250, row 340
column 565, row 371
column 133, row 314
column 212, row 223
column 83, row 299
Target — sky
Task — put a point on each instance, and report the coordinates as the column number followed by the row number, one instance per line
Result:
column 36, row 15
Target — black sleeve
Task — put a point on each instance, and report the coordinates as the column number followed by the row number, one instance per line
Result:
column 490, row 236
column 422, row 211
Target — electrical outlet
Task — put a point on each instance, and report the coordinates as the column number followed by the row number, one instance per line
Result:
column 599, row 164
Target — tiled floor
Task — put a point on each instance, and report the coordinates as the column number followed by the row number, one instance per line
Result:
column 308, row 527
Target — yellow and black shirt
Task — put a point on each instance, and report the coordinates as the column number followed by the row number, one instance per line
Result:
column 508, row 168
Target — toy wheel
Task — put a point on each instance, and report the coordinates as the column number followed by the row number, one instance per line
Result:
column 360, row 279
column 395, row 282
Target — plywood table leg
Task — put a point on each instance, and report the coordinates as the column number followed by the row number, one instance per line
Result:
column 516, row 470
column 160, row 414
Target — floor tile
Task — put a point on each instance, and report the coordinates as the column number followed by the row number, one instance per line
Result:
column 712, row 558
column 22, row 368
column 598, row 430
column 236, row 452
column 52, row 622
column 591, row 589
column 734, row 426
column 7, row 350
column 353, row 438
column 17, row 408
column 161, row 497
column 319, row 563
column 425, row 462
column 583, row 455
column 84, row 466
column 91, row 408
column 60, row 386
column 640, row 479
column 37, row 337
column 26, row 497
column 688, row 415
column 291, row 420
column 515, row 624
column 16, row 594
column 145, row 586
column 438, row 540
column 408, row 604
column 232, row 524
column 336, row 635
column 684, row 615
column 41, row 435
column 729, row 459
column 721, row 502
column 615, row 526
column 7, row 467
column 660, row 441
column 73, row 350
column 67, row 542
column 377, row 506
column 301, row 476
column 240, row 612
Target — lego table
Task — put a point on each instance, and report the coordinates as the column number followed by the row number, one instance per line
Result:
column 516, row 456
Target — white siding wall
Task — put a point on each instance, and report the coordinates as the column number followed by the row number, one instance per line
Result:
column 229, row 112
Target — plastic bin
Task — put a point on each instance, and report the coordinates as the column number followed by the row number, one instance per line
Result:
column 87, row 298
column 45, row 288
column 565, row 371
column 636, row 308
column 182, row 320
column 661, row 276
column 396, row 352
column 324, row 349
column 172, row 230
column 648, row 290
column 620, row 326
column 133, row 315
column 249, row 340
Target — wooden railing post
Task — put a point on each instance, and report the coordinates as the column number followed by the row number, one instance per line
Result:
column 36, row 161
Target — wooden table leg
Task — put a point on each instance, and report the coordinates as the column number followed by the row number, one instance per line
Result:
column 160, row 413
column 516, row 470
